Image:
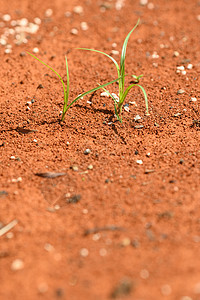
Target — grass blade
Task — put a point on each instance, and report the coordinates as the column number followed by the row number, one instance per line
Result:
column 93, row 50
column 66, row 95
column 64, row 90
column 144, row 92
column 123, row 56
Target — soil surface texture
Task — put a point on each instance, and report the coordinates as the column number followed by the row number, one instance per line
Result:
column 91, row 208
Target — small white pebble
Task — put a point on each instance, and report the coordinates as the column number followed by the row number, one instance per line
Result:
column 155, row 55
column 183, row 72
column 84, row 252
column 57, row 207
column 48, row 12
column 10, row 235
column 37, row 21
column 96, row 236
column 78, row 9
column 176, row 53
column 166, row 290
column 35, row 141
column 115, row 96
column 143, row 2
column 198, row 17
column 14, row 180
column 137, row 118
column 144, row 274
column 126, row 108
column 115, row 52
column 114, row 45
column 102, row 252
column 48, row 247
column 6, row 18
column 85, row 211
column 12, row 157
column 104, row 94
column 180, row 68
column 148, row 154
column 84, row 26
column 193, row 99
column 8, row 51
column 17, row 265
column 13, row 23
column 139, row 162
column 3, row 41
column 35, row 50
column 150, row 6
column 23, row 22
column 74, row 31
column 189, row 66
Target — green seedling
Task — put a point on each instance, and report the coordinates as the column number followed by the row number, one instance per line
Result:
column 121, row 75
column 66, row 104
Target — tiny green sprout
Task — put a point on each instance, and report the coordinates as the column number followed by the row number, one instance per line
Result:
column 66, row 104
column 121, row 75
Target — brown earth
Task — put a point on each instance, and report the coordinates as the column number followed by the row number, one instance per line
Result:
column 118, row 229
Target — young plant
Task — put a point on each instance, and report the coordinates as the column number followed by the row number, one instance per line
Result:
column 118, row 104
column 66, row 104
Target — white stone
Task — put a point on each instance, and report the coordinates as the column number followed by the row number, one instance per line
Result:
column 139, row 162
column 143, row 2
column 84, row 252
column 115, row 52
column 78, row 9
column 48, row 12
column 189, row 66
column 6, row 18
column 74, row 31
column 35, row 50
column 84, row 26
column 166, row 290
column 37, row 21
column 17, row 265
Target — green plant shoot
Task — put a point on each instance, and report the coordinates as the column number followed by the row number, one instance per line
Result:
column 66, row 104
column 121, row 75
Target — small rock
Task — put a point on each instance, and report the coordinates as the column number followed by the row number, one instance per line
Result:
column 84, row 26
column 74, row 199
column 181, row 91
column 137, row 118
column 176, row 53
column 48, row 12
column 139, row 126
column 125, row 242
column 123, row 288
column 78, row 9
column 87, row 151
column 74, row 31
column 35, row 50
column 84, row 252
column 90, row 167
column 166, row 290
column 74, row 168
column 143, row 2
column 17, row 265
column 115, row 52
column 139, row 162
column 3, row 193
column 193, row 99
column 189, row 66
column 102, row 252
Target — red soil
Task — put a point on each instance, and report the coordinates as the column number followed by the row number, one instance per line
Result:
column 70, row 250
